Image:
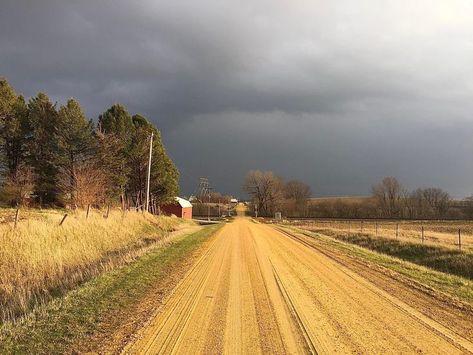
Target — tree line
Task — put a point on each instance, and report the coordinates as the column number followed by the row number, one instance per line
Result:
column 55, row 156
column 271, row 194
column 389, row 199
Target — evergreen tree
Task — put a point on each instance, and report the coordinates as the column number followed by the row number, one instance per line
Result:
column 13, row 128
column 164, row 175
column 8, row 98
column 45, row 149
column 116, row 120
column 114, row 133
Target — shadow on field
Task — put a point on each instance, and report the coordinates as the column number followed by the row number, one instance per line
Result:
column 442, row 259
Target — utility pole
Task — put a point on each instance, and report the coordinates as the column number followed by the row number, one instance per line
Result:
column 149, row 172
column 208, row 206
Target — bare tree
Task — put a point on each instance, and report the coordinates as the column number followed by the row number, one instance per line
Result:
column 297, row 194
column 86, row 186
column 297, row 190
column 217, row 197
column 388, row 195
column 468, row 206
column 19, row 186
column 437, row 200
column 266, row 189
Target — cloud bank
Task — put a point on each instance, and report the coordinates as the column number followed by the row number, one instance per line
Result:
column 338, row 94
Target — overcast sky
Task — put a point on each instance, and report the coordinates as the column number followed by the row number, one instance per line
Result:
column 335, row 93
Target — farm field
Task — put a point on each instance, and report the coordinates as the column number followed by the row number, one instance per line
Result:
column 259, row 289
column 437, row 233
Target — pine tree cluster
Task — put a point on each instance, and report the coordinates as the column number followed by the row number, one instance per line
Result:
column 56, row 156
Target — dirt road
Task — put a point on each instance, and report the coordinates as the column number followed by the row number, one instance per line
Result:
column 257, row 290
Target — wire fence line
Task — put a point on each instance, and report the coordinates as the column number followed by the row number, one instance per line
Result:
column 19, row 214
column 452, row 234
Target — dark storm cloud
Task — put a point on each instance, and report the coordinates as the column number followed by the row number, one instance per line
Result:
column 335, row 93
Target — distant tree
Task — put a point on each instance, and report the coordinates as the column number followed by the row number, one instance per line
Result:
column 297, row 194
column 266, row 190
column 45, row 146
column 388, row 195
column 217, row 197
column 412, row 204
column 297, row 190
column 468, row 203
column 437, row 200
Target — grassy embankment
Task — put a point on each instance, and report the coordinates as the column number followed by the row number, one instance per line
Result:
column 440, row 268
column 439, row 258
column 55, row 326
column 40, row 260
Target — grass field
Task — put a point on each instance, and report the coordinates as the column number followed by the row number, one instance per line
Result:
column 436, row 233
column 86, row 318
column 435, row 254
column 40, row 259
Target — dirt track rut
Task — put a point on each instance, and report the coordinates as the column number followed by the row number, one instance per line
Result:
column 257, row 290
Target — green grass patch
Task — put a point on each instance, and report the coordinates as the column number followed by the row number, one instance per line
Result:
column 53, row 327
column 438, row 258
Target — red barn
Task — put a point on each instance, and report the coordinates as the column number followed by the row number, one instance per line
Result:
column 181, row 208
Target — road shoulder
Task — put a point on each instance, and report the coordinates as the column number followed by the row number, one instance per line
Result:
column 436, row 295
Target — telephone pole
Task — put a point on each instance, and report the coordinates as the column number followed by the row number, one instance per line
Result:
column 149, row 172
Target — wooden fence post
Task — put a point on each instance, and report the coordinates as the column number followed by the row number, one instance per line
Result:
column 63, row 219
column 108, row 211
column 17, row 214
column 459, row 239
column 376, row 228
column 397, row 230
column 422, row 233
column 88, row 209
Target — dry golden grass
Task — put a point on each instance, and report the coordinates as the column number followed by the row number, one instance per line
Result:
column 443, row 233
column 40, row 259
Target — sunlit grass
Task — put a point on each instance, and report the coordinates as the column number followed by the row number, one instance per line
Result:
column 40, row 259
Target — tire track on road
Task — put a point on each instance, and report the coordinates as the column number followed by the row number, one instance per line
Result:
column 455, row 339
column 259, row 290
